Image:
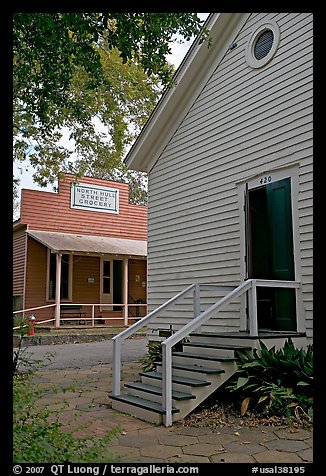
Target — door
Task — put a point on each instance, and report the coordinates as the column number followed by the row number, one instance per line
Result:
column 106, row 284
column 111, row 284
column 270, row 252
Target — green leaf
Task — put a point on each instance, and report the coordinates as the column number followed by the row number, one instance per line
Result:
column 241, row 382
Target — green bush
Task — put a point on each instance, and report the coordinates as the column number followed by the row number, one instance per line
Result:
column 278, row 382
column 155, row 354
column 39, row 437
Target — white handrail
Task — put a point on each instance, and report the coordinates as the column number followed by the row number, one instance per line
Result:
column 192, row 325
column 199, row 318
column 33, row 308
column 116, row 370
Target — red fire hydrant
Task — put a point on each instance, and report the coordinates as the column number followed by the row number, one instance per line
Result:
column 31, row 325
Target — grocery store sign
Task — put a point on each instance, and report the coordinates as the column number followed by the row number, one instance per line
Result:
column 94, row 197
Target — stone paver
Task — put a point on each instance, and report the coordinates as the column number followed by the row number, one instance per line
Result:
column 306, row 455
column 277, row 457
column 293, row 434
column 177, row 440
column 203, row 449
column 243, row 447
column 160, row 451
column 290, row 446
column 216, row 439
column 232, row 458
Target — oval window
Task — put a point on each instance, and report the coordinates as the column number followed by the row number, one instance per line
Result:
column 263, row 44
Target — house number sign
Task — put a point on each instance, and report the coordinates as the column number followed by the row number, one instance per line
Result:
column 262, row 180
column 265, row 179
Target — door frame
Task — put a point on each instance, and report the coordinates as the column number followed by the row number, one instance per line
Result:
column 254, row 181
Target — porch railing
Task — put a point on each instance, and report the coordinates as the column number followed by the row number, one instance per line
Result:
column 249, row 286
column 127, row 313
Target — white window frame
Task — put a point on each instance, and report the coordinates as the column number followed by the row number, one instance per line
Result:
column 70, row 271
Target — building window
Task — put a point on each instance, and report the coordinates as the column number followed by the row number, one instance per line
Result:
column 106, row 277
column 65, row 276
column 17, row 303
column 263, row 44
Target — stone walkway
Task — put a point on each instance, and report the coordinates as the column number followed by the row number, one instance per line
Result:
column 86, row 409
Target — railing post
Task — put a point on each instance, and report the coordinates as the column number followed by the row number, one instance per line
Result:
column 167, row 384
column 196, row 298
column 93, row 315
column 253, row 323
column 116, row 369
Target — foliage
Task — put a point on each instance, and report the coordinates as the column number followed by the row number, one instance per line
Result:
column 275, row 381
column 153, row 355
column 24, row 325
column 74, row 71
column 38, row 436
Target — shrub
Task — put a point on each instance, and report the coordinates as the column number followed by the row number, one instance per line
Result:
column 39, row 437
column 275, row 381
column 153, row 355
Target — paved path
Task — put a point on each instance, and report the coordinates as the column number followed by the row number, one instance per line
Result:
column 84, row 355
column 88, row 412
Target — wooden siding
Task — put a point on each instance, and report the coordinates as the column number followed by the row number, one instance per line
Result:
column 82, row 291
column 35, row 294
column 49, row 211
column 243, row 123
column 19, row 250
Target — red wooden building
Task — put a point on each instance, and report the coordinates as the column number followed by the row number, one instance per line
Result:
column 81, row 252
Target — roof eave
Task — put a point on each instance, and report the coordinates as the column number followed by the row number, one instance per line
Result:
column 188, row 80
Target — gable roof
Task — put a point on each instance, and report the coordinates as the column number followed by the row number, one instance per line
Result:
column 188, row 81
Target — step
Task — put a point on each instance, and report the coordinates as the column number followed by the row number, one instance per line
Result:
column 212, row 361
column 194, row 368
column 214, row 358
column 141, row 408
column 243, row 338
column 142, row 403
column 142, row 387
column 176, row 379
column 225, row 350
column 190, row 371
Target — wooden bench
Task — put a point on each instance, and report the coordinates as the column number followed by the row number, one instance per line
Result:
column 72, row 310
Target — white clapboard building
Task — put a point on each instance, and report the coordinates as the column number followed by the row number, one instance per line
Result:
column 229, row 156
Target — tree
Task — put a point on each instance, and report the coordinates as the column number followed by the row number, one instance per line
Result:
column 74, row 71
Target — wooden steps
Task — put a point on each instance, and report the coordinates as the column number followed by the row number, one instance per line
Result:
column 205, row 362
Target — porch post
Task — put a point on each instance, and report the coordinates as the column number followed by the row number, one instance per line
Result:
column 125, row 291
column 57, row 289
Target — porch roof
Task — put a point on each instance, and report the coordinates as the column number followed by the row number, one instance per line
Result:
column 89, row 244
